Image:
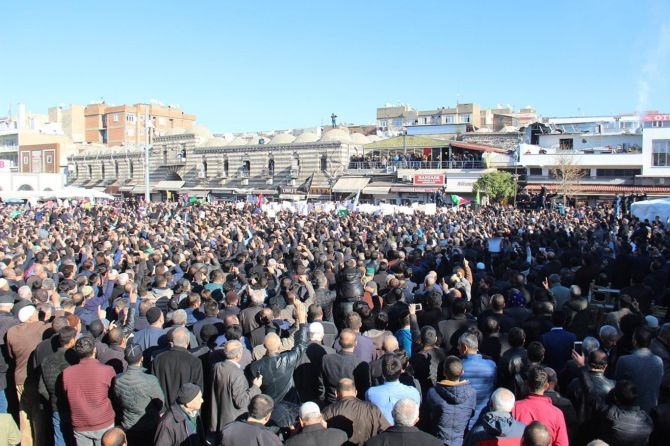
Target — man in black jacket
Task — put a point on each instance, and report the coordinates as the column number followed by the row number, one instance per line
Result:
column 314, row 429
column 343, row 364
column 177, row 366
column 359, row 419
column 231, row 392
column 253, row 431
column 619, row 420
column 181, row 424
column 582, row 397
column 50, row 386
column 280, row 366
column 405, row 416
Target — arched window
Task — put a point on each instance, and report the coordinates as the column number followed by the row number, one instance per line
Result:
column 90, row 171
column 102, row 170
column 295, row 162
column 226, row 166
column 271, row 165
column 116, row 169
column 131, row 169
column 76, row 170
column 324, row 162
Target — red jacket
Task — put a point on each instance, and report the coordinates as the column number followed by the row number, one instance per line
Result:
column 539, row 408
column 87, row 387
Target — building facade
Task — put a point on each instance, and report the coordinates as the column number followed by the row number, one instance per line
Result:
column 116, row 125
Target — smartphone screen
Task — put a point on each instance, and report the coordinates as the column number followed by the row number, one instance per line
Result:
column 418, row 307
column 578, row 347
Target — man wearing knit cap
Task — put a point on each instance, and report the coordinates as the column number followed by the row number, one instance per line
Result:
column 181, row 424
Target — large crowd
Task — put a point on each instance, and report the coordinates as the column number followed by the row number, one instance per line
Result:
column 221, row 324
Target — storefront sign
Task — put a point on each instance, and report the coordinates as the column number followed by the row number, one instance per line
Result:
column 429, row 179
column 656, row 118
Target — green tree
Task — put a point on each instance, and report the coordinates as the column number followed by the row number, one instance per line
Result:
column 497, row 185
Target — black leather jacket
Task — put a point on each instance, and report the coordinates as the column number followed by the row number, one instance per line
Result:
column 278, row 370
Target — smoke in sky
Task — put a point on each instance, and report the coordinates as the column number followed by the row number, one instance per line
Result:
column 654, row 70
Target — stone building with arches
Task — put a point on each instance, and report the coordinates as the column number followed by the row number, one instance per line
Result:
column 198, row 163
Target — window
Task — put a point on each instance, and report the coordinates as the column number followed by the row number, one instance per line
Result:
column 102, row 171
column 131, row 169
column 618, row 173
column 660, row 152
column 115, row 117
column 116, row 169
column 465, row 118
column 130, row 117
column 536, row 171
column 449, row 119
column 90, row 171
column 50, row 159
column 565, row 144
column 324, row 163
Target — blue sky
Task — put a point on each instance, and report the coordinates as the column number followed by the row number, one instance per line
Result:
column 247, row 66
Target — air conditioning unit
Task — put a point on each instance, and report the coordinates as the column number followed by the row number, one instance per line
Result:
column 244, row 182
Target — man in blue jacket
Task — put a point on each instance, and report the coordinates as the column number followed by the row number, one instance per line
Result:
column 451, row 403
column 480, row 372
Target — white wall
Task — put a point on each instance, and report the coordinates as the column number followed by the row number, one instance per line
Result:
column 12, row 181
column 648, row 135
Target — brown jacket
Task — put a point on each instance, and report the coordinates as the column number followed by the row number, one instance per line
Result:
column 22, row 340
column 360, row 420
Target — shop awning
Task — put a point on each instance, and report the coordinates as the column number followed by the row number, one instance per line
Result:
column 169, row 185
column 603, row 189
column 415, row 189
column 141, row 189
column 376, row 190
column 126, row 188
column 350, row 184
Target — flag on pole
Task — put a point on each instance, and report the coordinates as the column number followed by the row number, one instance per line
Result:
column 260, row 200
column 459, row 200
column 307, row 185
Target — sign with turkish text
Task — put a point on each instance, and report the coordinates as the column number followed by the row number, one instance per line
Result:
column 656, row 117
column 427, row 179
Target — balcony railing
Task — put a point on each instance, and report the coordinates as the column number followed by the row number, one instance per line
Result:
column 393, row 165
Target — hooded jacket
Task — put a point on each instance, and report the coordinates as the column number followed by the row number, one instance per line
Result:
column 451, row 404
column 495, row 428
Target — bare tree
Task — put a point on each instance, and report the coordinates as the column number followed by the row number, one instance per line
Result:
column 568, row 174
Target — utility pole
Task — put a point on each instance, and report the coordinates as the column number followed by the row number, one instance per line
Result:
column 147, row 127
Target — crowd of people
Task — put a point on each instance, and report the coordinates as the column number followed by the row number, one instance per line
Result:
column 220, row 324
column 456, row 158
